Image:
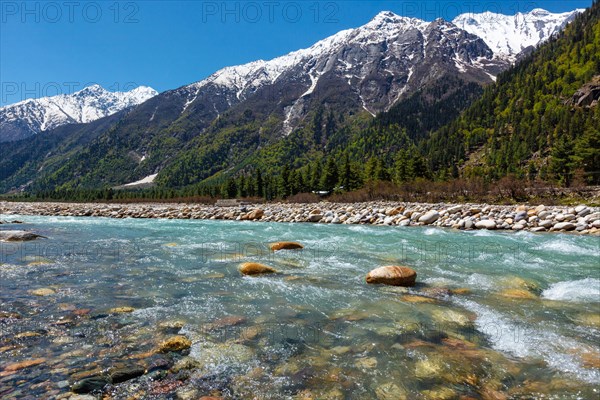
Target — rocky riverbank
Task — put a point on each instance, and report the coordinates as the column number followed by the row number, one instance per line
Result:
column 581, row 219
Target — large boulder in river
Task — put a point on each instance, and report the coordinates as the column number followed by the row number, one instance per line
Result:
column 285, row 246
column 430, row 217
column 18, row 236
column 251, row 268
column 486, row 224
column 392, row 275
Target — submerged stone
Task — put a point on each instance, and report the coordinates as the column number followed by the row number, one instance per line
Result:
column 123, row 374
column 518, row 294
column 43, row 292
column 175, row 344
column 18, row 236
column 390, row 391
column 90, row 385
column 121, row 310
column 24, row 364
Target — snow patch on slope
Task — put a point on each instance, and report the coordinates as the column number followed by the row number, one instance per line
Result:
column 147, row 179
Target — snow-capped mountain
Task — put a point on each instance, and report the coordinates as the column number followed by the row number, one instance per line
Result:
column 32, row 116
column 379, row 62
column 372, row 66
column 509, row 35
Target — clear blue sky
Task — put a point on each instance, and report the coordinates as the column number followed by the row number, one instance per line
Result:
column 60, row 46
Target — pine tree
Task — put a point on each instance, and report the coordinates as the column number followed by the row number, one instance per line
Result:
column 330, row 176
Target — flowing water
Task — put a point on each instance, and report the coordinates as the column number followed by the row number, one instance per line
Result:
column 511, row 315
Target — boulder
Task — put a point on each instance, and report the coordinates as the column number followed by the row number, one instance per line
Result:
column 430, row 217
column 285, row 246
column 391, row 212
column 486, row 224
column 455, row 209
column 521, row 215
column 251, row 268
column 123, row 374
column 392, row 275
column 518, row 294
column 564, row 226
column 582, row 211
column 43, row 292
column 253, row 215
column 93, row 384
column 314, row 217
column 175, row 344
column 18, row 236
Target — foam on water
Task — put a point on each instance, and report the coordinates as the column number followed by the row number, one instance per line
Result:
column 563, row 246
column 484, row 233
column 481, row 281
column 526, row 340
column 434, row 232
column 582, row 290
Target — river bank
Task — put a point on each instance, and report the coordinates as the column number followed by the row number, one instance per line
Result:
column 581, row 219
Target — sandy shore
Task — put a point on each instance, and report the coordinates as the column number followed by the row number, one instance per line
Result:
column 581, row 219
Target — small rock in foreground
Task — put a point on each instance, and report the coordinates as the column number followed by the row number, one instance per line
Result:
column 175, row 344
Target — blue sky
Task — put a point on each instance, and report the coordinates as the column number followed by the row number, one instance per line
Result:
column 47, row 48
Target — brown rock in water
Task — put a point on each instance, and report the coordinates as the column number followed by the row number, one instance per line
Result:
column 591, row 360
column 392, row 275
column 24, row 364
column 518, row 294
column 121, row 310
column 43, row 292
column 231, row 320
column 251, row 268
column 461, row 291
column 417, row 299
column 285, row 246
column 175, row 344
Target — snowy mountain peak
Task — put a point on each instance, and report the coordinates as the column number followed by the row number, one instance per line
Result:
column 389, row 18
column 384, row 26
column 32, row 116
column 509, row 35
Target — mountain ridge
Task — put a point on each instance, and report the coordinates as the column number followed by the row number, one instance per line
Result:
column 32, row 116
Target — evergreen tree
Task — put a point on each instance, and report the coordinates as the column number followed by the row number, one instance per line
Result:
column 330, row 176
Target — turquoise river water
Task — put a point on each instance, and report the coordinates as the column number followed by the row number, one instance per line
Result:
column 495, row 315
